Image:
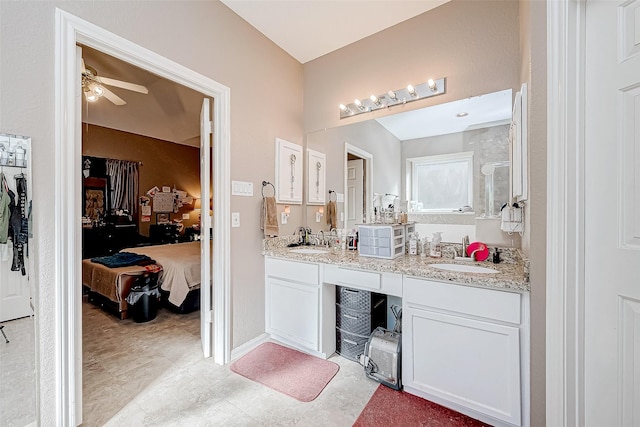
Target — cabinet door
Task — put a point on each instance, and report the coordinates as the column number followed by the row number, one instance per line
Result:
column 292, row 311
column 468, row 362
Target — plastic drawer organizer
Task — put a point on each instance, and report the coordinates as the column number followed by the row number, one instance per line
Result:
column 358, row 313
column 382, row 241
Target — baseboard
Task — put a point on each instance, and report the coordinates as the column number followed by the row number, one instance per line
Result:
column 245, row 348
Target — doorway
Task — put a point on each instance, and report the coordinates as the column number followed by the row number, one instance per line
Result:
column 70, row 31
column 358, row 182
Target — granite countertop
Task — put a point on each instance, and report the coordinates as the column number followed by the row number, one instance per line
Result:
column 510, row 276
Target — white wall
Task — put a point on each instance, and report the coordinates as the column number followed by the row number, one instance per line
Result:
column 204, row 36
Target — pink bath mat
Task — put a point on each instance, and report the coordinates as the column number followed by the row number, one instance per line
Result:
column 288, row 371
column 389, row 407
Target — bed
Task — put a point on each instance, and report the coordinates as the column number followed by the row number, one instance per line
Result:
column 177, row 266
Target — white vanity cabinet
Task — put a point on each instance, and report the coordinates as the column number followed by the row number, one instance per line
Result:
column 467, row 348
column 296, row 306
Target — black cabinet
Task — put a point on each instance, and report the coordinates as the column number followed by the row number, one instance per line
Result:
column 108, row 239
column 163, row 233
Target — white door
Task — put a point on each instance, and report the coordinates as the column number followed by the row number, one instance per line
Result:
column 612, row 214
column 206, row 260
column 355, row 192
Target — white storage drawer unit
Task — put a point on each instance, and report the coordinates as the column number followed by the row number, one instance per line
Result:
column 381, row 241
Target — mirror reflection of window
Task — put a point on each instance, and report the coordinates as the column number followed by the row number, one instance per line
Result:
column 442, row 183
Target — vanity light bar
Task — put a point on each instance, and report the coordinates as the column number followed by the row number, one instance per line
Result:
column 394, row 97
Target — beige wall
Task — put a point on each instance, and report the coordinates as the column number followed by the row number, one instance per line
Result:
column 369, row 136
column 474, row 44
column 163, row 164
column 481, row 47
column 204, row 36
column 533, row 70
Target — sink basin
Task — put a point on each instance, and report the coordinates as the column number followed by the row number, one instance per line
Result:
column 308, row 251
column 464, row 268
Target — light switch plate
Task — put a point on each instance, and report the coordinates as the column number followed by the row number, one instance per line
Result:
column 241, row 188
column 235, row 219
column 340, row 197
column 283, row 218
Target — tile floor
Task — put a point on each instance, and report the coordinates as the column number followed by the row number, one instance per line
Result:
column 17, row 373
column 153, row 374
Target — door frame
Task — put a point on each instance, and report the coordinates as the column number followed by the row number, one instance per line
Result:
column 368, row 171
column 565, row 256
column 68, row 150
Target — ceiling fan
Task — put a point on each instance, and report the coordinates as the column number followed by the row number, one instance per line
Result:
column 93, row 86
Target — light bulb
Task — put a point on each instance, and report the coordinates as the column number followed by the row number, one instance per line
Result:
column 392, row 95
column 97, row 90
column 432, row 85
column 358, row 103
column 343, row 107
column 375, row 100
column 90, row 96
column 411, row 90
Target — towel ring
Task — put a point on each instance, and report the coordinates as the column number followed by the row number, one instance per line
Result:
column 331, row 192
column 264, row 184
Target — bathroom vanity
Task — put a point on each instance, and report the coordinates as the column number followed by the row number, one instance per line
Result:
column 465, row 341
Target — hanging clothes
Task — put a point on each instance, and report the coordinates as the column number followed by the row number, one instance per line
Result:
column 18, row 225
column 4, row 209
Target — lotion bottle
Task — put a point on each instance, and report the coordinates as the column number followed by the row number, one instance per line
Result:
column 435, row 249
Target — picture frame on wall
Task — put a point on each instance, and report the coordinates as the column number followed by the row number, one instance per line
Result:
column 162, row 218
column 95, row 197
column 289, row 178
column 316, row 177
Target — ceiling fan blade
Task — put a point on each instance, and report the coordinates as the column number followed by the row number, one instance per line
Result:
column 83, row 69
column 113, row 97
column 124, row 85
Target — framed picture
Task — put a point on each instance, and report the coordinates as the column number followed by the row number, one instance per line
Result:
column 162, row 218
column 289, row 177
column 316, row 175
column 96, row 197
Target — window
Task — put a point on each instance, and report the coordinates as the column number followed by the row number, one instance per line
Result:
column 441, row 183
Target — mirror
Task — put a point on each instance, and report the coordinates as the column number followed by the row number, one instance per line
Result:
column 424, row 156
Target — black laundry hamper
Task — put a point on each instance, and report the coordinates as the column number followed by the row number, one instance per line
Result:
column 144, row 298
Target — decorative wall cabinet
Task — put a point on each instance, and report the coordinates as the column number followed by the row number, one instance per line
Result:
column 316, row 177
column 289, row 159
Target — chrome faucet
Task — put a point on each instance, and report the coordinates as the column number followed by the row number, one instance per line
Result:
column 472, row 255
column 320, row 241
column 465, row 245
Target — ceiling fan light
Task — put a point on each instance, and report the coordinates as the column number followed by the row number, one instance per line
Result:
column 97, row 90
column 90, row 96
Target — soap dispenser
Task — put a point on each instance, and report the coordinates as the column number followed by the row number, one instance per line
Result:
column 435, row 249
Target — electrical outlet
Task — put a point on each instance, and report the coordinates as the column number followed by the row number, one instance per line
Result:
column 283, row 218
column 185, row 216
column 235, row 219
column 341, row 216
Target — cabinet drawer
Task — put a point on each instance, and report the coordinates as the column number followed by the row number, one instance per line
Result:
column 352, row 278
column 466, row 300
column 353, row 321
column 301, row 272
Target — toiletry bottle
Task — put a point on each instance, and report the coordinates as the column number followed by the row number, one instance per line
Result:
column 424, row 247
column 413, row 244
column 435, row 249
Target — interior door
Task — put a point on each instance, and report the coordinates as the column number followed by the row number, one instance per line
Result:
column 355, row 192
column 612, row 214
column 206, row 260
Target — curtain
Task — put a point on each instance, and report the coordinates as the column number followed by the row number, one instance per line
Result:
column 124, row 184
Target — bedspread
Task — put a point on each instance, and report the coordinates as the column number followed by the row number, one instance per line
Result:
column 180, row 267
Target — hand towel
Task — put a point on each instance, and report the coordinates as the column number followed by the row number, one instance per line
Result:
column 332, row 215
column 269, row 217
